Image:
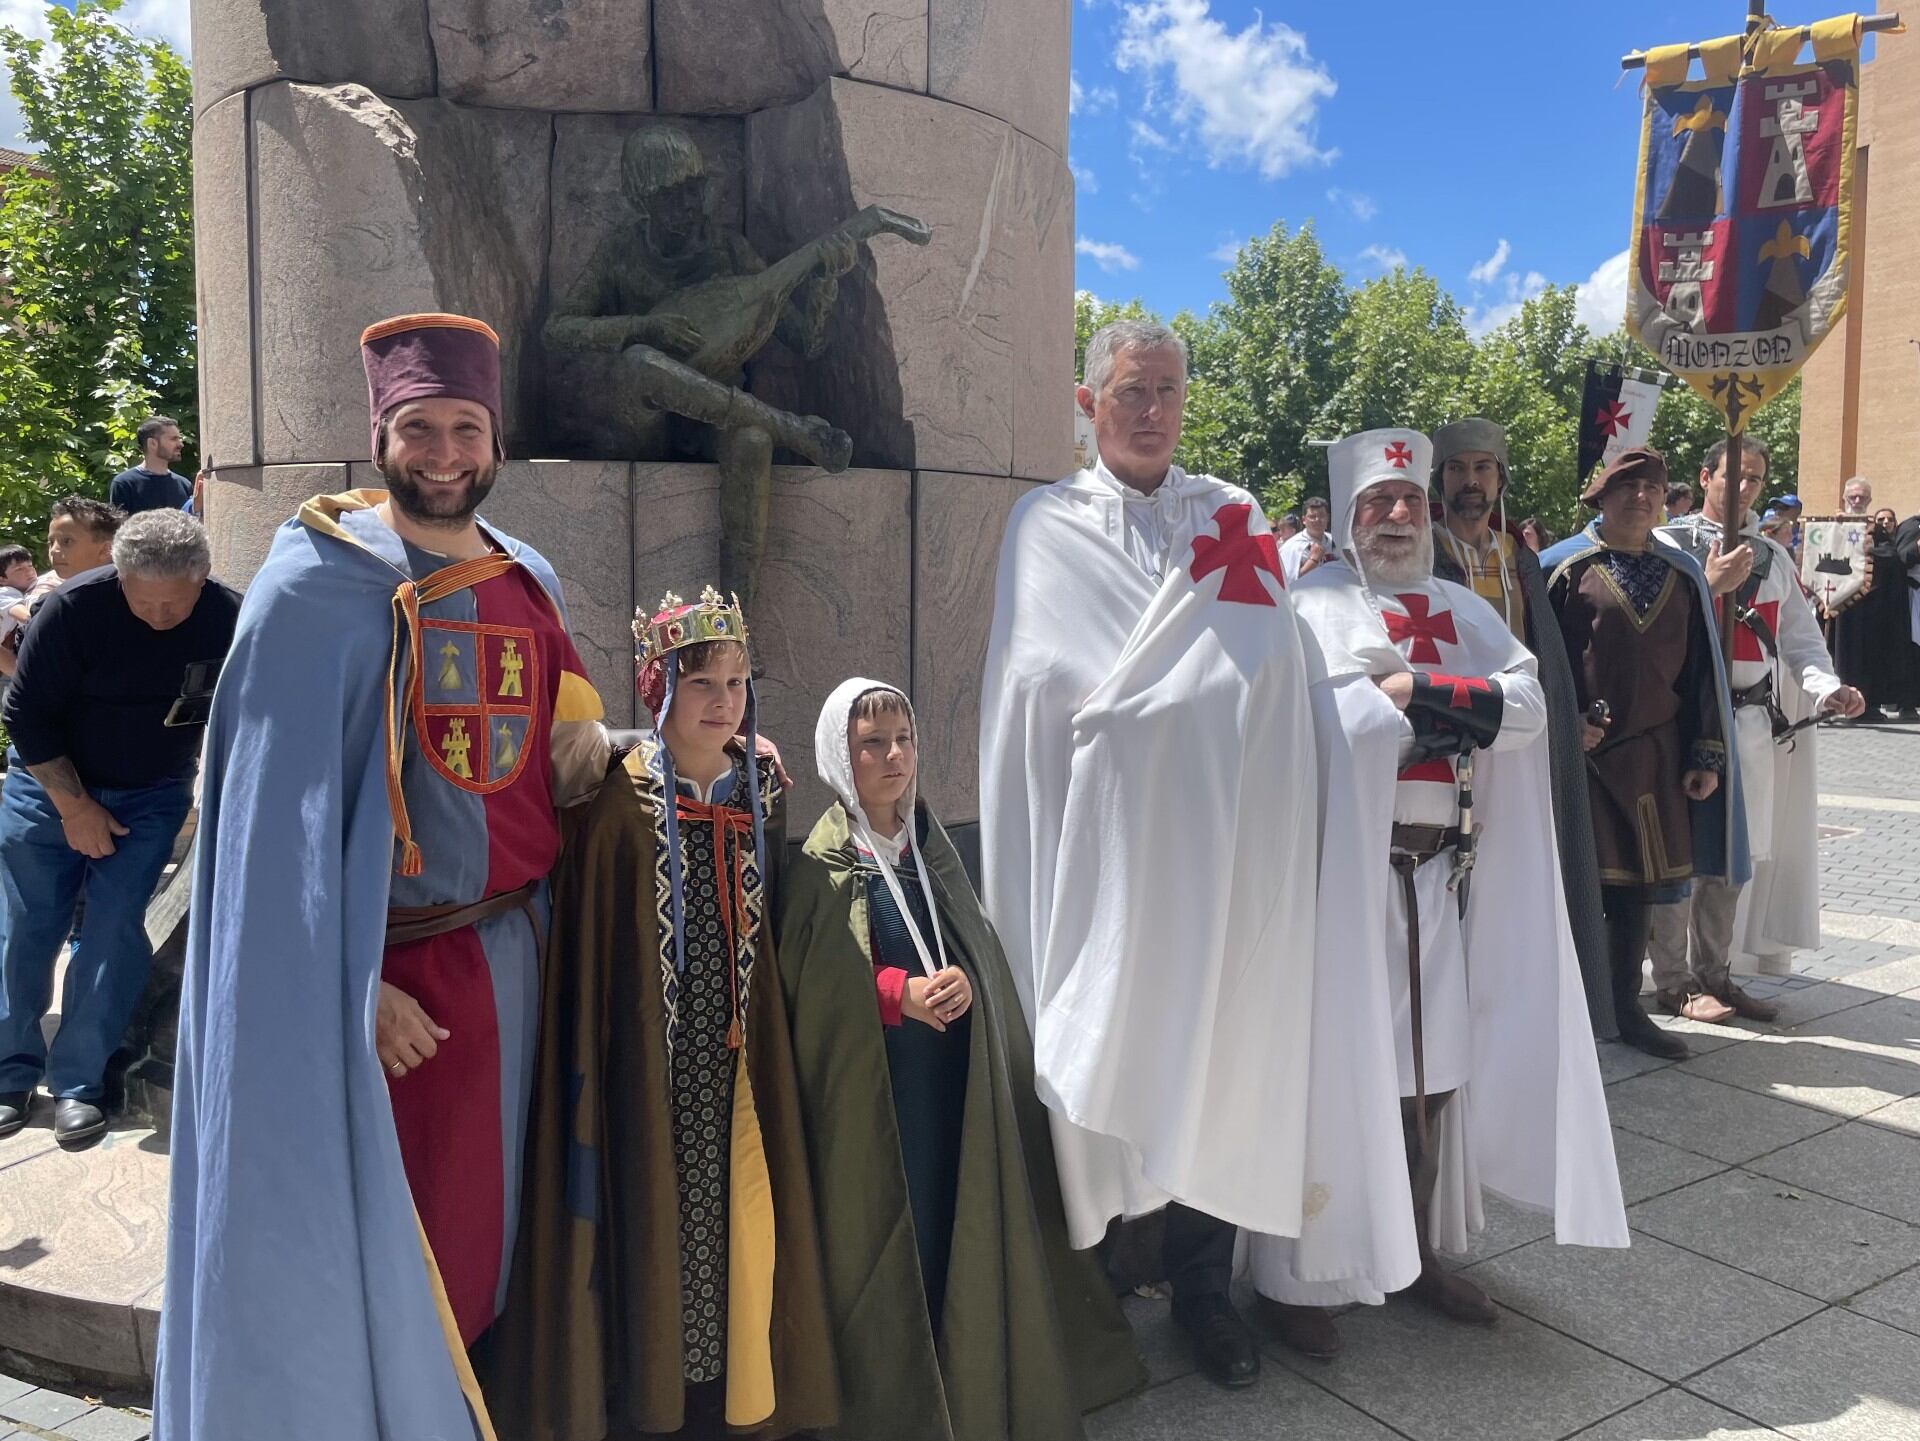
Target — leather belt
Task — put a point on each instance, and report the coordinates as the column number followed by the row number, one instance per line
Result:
column 1424, row 842
column 1759, row 693
column 417, row 923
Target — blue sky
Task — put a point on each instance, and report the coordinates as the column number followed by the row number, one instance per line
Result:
column 1495, row 146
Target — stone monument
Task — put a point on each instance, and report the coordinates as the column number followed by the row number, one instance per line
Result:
column 356, row 159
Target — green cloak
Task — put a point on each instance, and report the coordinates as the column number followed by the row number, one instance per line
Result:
column 1031, row 1334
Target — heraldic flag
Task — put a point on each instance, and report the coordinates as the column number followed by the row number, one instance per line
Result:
column 1742, row 226
column 1616, row 413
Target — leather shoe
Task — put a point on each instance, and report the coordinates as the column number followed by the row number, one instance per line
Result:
column 1306, row 1329
column 1640, row 1033
column 1748, row 1007
column 76, row 1121
column 1454, row 1297
column 13, row 1110
column 1694, row 1006
column 1221, row 1340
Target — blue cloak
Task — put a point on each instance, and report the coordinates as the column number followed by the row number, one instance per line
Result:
column 1722, row 817
column 301, row 1303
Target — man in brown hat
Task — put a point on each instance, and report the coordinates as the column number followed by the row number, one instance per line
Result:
column 1636, row 618
column 1472, row 548
column 402, row 712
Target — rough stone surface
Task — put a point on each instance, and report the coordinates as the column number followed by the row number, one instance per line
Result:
column 1723, row 1122
column 1823, row 1076
column 919, row 368
column 577, row 513
column 1676, row 1414
column 1895, row 1302
column 958, row 522
column 246, row 504
column 833, row 589
column 732, row 57
column 1651, row 1305
column 376, row 211
column 1861, row 1164
column 1035, row 217
column 1193, row 1407
column 986, row 54
column 223, row 277
column 1767, row 1228
column 1837, row 1377
column 546, row 55
column 377, row 43
column 1650, row 1168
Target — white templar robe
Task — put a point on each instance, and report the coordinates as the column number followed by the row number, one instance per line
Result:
column 1780, row 907
column 1529, row 1119
column 1148, row 844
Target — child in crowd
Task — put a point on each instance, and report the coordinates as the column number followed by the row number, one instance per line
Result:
column 942, row 1229
column 667, row 1169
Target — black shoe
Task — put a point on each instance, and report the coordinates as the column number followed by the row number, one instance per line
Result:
column 1640, row 1033
column 76, row 1121
column 1308, row 1330
column 13, row 1110
column 1221, row 1340
column 1454, row 1296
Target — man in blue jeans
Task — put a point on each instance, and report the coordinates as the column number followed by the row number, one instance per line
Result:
column 106, row 712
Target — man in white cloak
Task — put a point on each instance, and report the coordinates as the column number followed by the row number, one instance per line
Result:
column 1780, row 675
column 1423, row 696
column 1148, row 851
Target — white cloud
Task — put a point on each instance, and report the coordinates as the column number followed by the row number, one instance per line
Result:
column 1109, row 257
column 1488, row 270
column 165, row 19
column 1145, row 137
column 1387, row 257
column 1227, row 251
column 1084, row 101
column 1250, row 97
column 1360, row 205
column 1601, row 304
column 1083, row 177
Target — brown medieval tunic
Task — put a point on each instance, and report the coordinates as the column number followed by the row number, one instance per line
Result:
column 1637, row 638
column 668, row 1238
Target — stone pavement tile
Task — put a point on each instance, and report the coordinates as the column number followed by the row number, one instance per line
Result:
column 1900, row 1116
column 1836, row 1377
column 45, row 1409
column 1826, row 1074
column 1168, row 1353
column 1278, row 1404
column 1651, row 1168
column 1621, row 1062
column 11, row 1387
column 1437, row 1380
column 1676, row 1416
column 1886, row 1026
column 1651, row 1305
column 1890, row 978
column 1895, row 1302
column 108, row 1425
column 1704, row 1039
column 1867, row 1165
column 1810, row 1003
column 1767, row 1228
column 1724, row 1122
column 1507, row 1226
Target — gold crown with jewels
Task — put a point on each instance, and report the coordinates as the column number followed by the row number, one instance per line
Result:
column 676, row 624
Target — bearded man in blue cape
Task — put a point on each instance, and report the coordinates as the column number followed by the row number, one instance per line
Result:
column 401, row 715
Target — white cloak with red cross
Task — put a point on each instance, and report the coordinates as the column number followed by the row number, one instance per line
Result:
column 1529, row 1122
column 1147, row 816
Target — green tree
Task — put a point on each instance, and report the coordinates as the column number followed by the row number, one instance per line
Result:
column 1405, row 355
column 97, row 300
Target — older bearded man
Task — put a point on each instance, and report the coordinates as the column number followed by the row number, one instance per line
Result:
column 1431, row 706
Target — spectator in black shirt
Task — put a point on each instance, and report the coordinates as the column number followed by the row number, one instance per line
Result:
column 106, row 712
column 152, row 485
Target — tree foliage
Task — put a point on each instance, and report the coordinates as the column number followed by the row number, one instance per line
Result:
column 1295, row 354
column 97, row 296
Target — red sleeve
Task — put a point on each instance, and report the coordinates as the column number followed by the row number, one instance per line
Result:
column 890, row 985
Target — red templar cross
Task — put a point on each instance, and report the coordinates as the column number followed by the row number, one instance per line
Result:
column 1746, row 645
column 1240, row 555
column 1422, row 629
column 1463, row 687
column 1613, row 418
column 1399, row 456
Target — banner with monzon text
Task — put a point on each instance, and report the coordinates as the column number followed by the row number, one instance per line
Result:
column 1742, row 227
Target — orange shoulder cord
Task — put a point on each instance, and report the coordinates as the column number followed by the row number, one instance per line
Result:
column 407, row 600
column 733, row 826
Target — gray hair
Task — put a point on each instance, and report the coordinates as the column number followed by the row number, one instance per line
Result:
column 1859, row 480
column 1109, row 340
column 162, row 545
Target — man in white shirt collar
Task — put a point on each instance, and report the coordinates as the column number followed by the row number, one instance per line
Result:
column 1310, row 546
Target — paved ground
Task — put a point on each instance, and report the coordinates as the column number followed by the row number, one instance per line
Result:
column 1773, row 1184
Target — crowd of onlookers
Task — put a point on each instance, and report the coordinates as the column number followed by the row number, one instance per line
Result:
column 108, row 660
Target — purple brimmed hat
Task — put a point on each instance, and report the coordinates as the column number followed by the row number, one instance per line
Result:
column 417, row 357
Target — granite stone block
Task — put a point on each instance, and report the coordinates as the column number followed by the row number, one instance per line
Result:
column 1676, row 1416
column 1836, row 1377
column 732, row 57
column 564, row 55
column 1868, row 1166
column 1008, row 58
column 1823, row 1074
column 1721, row 1121
column 247, row 504
column 1794, row 1237
column 242, row 43
column 1650, row 1168
column 1896, row 1302
column 223, row 280
column 1193, row 1407
column 1651, row 1305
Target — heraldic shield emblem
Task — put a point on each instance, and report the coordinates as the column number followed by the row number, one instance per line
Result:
column 1834, row 566
column 476, row 704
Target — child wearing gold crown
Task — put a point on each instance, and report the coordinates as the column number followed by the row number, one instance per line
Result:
column 668, row 1278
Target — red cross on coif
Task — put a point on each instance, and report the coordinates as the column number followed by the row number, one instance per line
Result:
column 1421, row 628
column 1399, row 455
column 1241, row 555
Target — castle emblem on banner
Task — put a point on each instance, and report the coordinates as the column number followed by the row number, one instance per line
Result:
column 1742, row 233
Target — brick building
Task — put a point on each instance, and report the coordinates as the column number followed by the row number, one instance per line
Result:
column 1861, row 410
